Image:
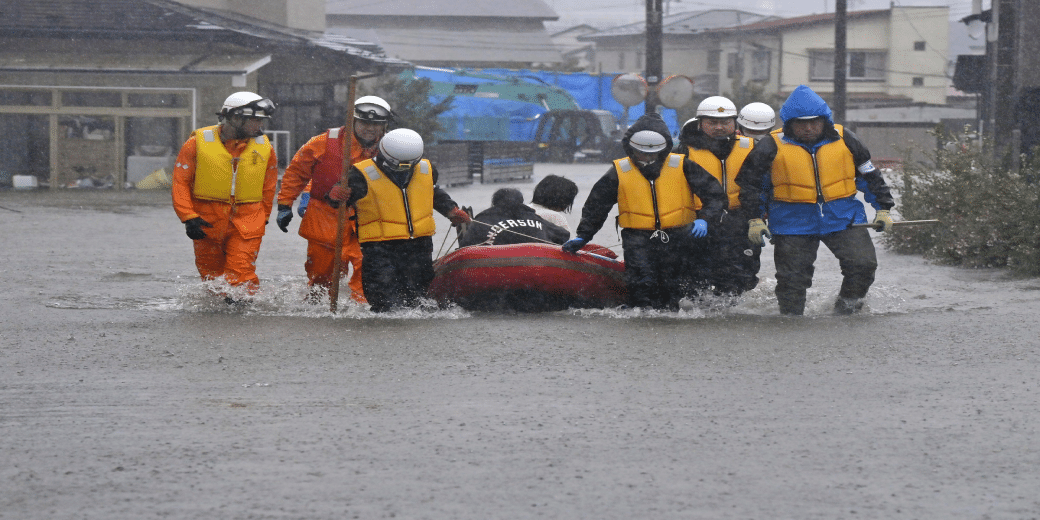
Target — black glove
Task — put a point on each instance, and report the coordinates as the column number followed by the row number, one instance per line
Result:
column 284, row 217
column 194, row 228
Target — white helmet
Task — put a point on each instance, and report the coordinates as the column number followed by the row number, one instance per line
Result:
column 372, row 108
column 247, row 104
column 401, row 148
column 716, row 106
column 757, row 116
column 648, row 141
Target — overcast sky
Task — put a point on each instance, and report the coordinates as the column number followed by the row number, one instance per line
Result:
column 606, row 13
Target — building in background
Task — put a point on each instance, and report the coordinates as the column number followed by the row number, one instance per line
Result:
column 448, row 33
column 577, row 55
column 687, row 48
column 106, row 91
column 894, row 55
column 1007, row 77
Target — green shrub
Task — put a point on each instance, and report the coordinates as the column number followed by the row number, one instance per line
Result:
column 989, row 213
column 410, row 100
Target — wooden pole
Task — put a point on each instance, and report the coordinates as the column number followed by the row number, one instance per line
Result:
column 341, row 211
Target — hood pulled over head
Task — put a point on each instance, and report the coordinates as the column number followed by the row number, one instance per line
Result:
column 804, row 103
column 654, row 123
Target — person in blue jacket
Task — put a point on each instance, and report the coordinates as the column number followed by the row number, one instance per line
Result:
column 803, row 181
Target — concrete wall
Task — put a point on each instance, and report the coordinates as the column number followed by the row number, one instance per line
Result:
column 893, row 142
column 910, row 25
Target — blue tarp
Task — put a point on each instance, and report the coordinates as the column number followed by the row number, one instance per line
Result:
column 474, row 118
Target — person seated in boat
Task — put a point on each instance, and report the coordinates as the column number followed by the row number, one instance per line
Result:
column 554, row 196
column 653, row 189
column 510, row 221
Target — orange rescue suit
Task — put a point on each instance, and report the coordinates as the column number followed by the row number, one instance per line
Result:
column 230, row 185
column 319, row 163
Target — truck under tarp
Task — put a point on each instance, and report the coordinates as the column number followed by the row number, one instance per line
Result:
column 504, row 105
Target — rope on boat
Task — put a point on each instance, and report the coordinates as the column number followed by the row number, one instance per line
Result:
column 536, row 239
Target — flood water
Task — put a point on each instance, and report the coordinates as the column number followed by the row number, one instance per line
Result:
column 128, row 391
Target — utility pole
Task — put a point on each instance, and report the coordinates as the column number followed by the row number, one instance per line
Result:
column 1004, row 92
column 654, row 53
column 840, row 44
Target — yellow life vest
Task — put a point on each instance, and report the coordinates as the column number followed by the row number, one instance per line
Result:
column 218, row 176
column 727, row 177
column 389, row 213
column 799, row 176
column 668, row 205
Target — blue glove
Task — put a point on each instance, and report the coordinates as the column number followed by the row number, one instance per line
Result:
column 573, row 245
column 284, row 216
column 302, row 208
column 700, row 228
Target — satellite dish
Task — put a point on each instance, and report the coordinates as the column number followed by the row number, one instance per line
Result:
column 629, row 89
column 675, row 91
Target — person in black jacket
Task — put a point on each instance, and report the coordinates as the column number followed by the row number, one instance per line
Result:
column 710, row 139
column 653, row 189
column 396, row 195
column 510, row 221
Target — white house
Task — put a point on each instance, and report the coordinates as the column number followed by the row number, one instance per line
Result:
column 895, row 55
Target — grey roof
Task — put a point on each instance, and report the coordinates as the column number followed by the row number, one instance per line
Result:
column 461, row 46
column 449, row 8
column 171, row 21
column 169, row 63
column 687, row 23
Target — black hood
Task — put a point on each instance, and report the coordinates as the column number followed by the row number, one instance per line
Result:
column 652, row 122
column 693, row 137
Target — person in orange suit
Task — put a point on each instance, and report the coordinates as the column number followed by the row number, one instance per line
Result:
column 224, row 183
column 319, row 165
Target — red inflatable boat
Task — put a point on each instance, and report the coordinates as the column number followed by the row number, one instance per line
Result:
column 528, row 278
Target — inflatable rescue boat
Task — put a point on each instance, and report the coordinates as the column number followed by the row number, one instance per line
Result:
column 528, row 278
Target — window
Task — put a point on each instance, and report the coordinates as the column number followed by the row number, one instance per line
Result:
column 760, row 61
column 713, row 60
column 164, row 100
column 734, row 65
column 25, row 97
column 860, row 65
column 918, row 82
column 83, row 98
column 919, row 46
